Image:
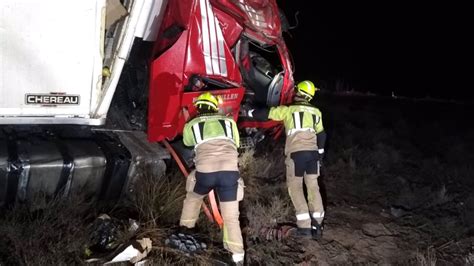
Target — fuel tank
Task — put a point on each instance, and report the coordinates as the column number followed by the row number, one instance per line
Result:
column 97, row 165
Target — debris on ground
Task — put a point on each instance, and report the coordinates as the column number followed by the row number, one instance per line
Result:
column 185, row 242
column 136, row 251
column 277, row 233
column 104, row 235
column 133, row 225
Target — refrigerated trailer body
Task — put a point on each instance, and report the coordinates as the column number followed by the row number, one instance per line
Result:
column 60, row 61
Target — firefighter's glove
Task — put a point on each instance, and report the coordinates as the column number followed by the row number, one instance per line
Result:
column 320, row 155
column 245, row 110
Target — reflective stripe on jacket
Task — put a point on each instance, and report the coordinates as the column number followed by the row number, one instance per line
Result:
column 210, row 127
column 298, row 117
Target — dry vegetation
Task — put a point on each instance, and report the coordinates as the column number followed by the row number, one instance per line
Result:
column 51, row 236
column 397, row 184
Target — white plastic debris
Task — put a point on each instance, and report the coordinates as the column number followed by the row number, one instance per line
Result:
column 134, row 252
column 133, row 225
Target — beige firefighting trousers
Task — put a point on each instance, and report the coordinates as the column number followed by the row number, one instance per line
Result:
column 305, row 210
column 232, row 235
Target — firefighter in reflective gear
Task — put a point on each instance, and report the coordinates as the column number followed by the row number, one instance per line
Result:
column 215, row 139
column 304, row 150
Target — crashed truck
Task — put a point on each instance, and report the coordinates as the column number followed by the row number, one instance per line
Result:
column 91, row 91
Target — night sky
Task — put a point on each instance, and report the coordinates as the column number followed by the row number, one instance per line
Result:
column 413, row 50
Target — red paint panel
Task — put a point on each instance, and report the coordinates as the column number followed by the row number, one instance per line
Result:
column 165, row 91
column 194, row 63
column 176, row 17
column 230, row 7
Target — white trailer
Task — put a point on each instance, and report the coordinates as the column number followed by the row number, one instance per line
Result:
column 60, row 63
column 60, row 60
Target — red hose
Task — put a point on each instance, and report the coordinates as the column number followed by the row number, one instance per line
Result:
column 215, row 209
column 212, row 199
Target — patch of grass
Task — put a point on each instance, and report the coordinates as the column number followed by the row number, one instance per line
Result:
column 469, row 259
column 54, row 235
column 159, row 200
column 266, row 199
column 263, row 175
column 427, row 257
column 261, row 215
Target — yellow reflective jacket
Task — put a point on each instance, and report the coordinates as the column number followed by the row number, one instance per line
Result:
column 209, row 127
column 298, row 117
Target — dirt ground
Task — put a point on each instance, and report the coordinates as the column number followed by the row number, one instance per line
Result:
column 397, row 182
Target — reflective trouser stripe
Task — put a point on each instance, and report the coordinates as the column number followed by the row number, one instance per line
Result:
column 188, row 220
column 302, row 216
column 318, row 214
column 238, row 257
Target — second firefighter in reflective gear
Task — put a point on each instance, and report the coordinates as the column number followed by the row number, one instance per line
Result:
column 215, row 139
column 304, row 149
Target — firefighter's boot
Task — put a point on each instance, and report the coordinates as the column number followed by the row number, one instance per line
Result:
column 316, row 230
column 304, row 232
